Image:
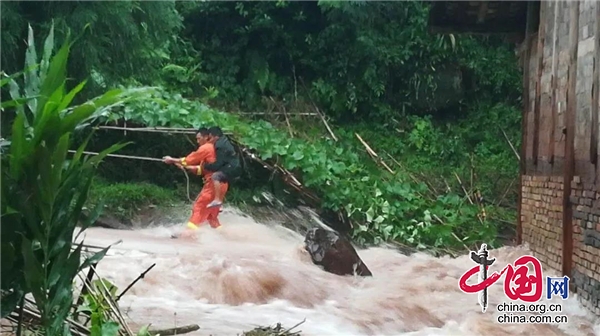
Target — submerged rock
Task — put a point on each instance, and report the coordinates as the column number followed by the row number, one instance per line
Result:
column 334, row 253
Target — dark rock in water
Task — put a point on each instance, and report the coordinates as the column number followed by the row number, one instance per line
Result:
column 334, row 253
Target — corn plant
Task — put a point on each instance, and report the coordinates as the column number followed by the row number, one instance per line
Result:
column 44, row 187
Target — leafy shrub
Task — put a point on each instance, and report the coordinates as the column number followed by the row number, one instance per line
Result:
column 43, row 191
column 380, row 206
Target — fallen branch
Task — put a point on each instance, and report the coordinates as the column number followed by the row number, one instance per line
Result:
column 319, row 112
column 505, row 192
column 511, row 145
column 463, row 188
column 479, row 216
column 84, row 290
column 374, row 155
column 278, row 330
column 141, row 276
column 287, row 120
column 114, row 307
column 175, row 331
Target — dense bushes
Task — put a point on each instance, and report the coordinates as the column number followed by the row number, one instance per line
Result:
column 438, row 104
column 381, row 205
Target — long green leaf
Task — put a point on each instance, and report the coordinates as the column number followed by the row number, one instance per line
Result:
column 92, row 217
column 69, row 97
column 48, row 114
column 59, row 157
column 45, row 195
column 59, row 255
column 73, row 178
column 61, row 295
column 97, row 158
column 18, row 147
column 83, row 193
column 48, row 48
column 95, row 258
column 81, row 149
column 32, row 79
column 56, row 73
column 34, row 273
column 15, row 92
column 110, row 328
column 99, row 104
column 8, row 78
column 16, row 102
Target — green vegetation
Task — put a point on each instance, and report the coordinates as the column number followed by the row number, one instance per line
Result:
column 382, row 205
column 439, row 111
column 43, row 192
column 126, row 199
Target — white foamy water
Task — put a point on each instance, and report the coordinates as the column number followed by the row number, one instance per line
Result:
column 247, row 274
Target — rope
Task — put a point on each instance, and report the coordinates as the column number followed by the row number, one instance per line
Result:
column 145, row 158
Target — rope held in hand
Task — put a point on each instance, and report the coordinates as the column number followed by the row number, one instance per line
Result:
column 145, row 158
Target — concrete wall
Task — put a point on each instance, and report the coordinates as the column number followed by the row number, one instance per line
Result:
column 546, row 154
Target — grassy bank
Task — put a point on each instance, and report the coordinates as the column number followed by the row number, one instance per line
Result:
column 125, row 200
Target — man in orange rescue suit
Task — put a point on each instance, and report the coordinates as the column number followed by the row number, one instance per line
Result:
column 193, row 163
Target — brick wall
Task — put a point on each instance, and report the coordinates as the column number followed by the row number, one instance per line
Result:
column 544, row 141
column 586, row 243
column 541, row 217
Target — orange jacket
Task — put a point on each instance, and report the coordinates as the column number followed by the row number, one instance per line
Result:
column 204, row 154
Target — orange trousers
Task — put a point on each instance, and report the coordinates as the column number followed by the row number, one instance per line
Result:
column 200, row 212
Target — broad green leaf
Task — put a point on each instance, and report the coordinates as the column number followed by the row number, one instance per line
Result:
column 105, row 286
column 15, row 92
column 61, row 294
column 32, row 81
column 110, row 328
column 370, row 213
column 92, row 217
column 47, row 122
column 69, row 97
column 56, row 73
column 59, row 157
column 34, row 273
column 59, row 259
column 45, row 194
column 18, row 147
column 77, row 155
column 76, row 214
column 97, row 158
column 16, row 102
column 95, row 258
column 48, row 48
column 10, row 78
column 144, row 331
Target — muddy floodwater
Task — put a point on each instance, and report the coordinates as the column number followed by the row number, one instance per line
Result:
column 248, row 274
